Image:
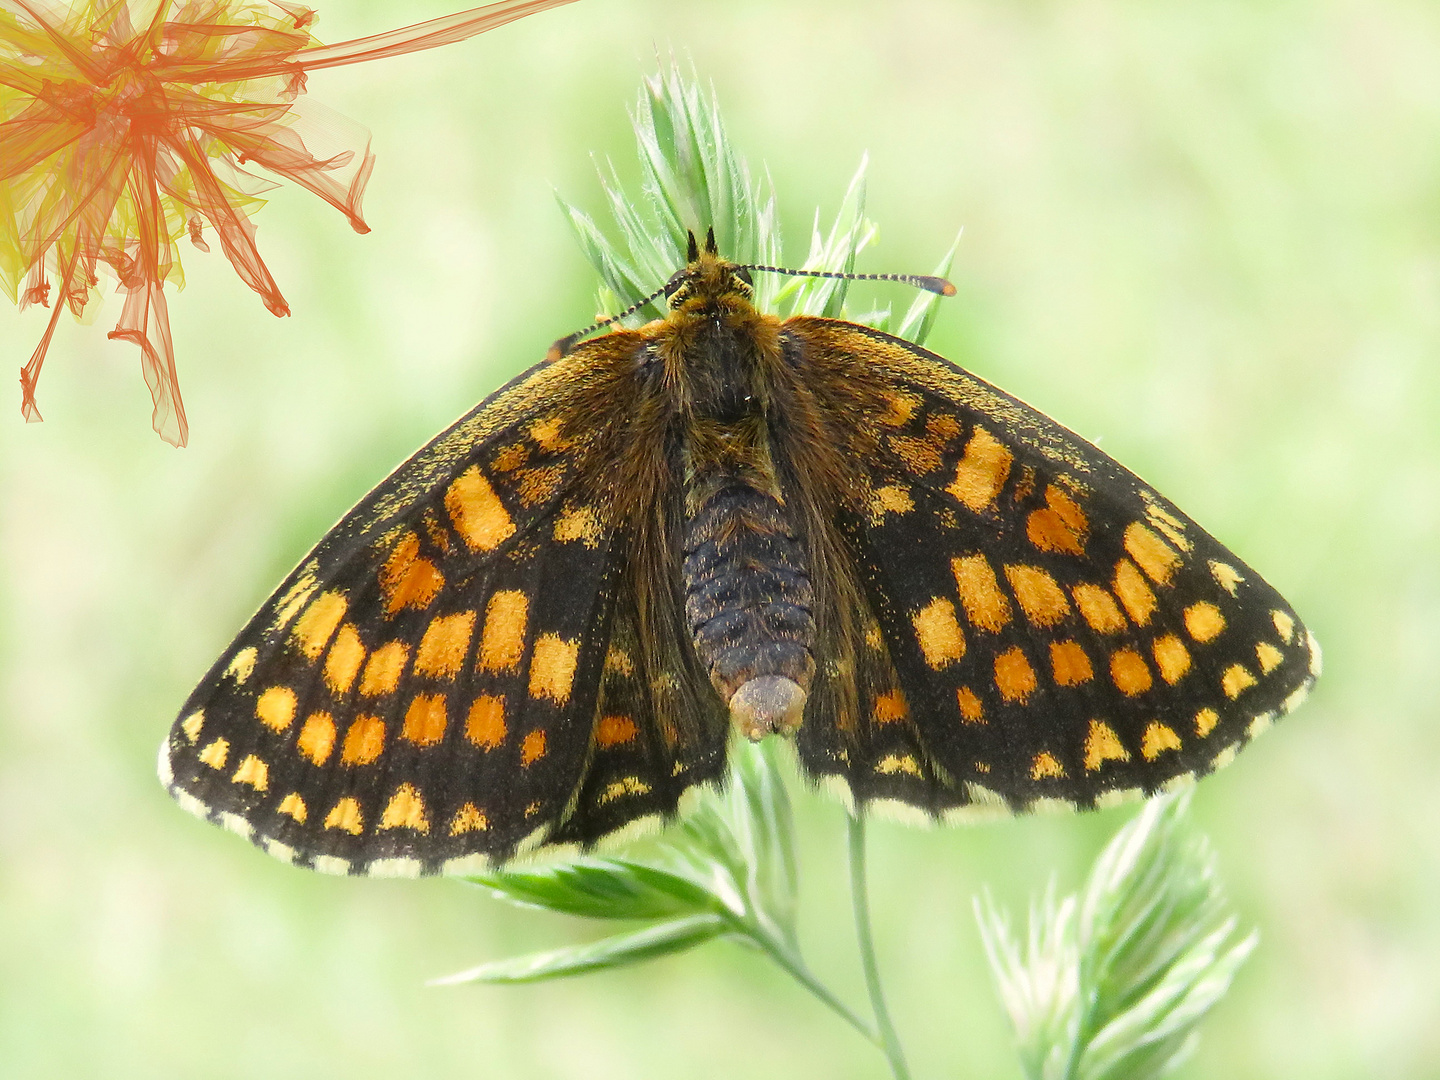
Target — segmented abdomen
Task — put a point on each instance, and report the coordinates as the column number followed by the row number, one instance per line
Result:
column 748, row 600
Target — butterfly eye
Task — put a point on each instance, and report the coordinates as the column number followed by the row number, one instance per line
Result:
column 743, row 275
column 678, row 289
column 673, row 285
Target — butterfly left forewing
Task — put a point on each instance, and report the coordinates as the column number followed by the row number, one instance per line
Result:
column 1059, row 630
column 423, row 688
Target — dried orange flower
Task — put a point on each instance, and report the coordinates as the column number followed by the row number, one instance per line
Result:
column 125, row 125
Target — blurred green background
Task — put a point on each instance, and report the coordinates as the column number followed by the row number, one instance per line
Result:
column 1206, row 236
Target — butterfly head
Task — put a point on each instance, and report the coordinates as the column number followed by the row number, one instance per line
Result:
column 707, row 279
column 707, row 283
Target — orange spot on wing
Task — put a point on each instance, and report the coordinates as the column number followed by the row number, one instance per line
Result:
column 1069, row 663
column 276, row 707
column 215, row 754
column 1235, row 680
column 344, row 660
column 313, row 629
column 1168, row 524
column 242, row 666
column 1171, row 657
column 938, row 633
column 254, row 772
column 1102, row 745
column 1129, row 672
column 364, row 741
column 579, row 523
column 1157, row 739
column 345, row 815
column 468, row 819
column 1157, row 558
column 1130, row 586
column 552, row 667
column 971, row 710
column 1059, row 526
column 547, row 433
column 921, row 456
column 1040, row 598
column 532, row 747
column 1269, row 657
column 981, row 471
column 406, row 579
column 382, row 672
column 985, row 605
column 1203, row 621
column 295, row 597
column 1205, row 721
column 442, row 650
column 1046, row 767
column 889, row 499
column 900, row 409
column 317, row 737
column 614, row 730
column 294, row 806
column 891, row 707
column 1014, row 677
column 502, row 642
column 1099, row 609
column 485, row 726
column 897, row 763
column 477, row 512
column 424, row 720
column 1226, row 576
column 405, row 810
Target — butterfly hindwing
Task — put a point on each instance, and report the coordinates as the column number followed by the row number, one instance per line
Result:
column 646, row 752
column 1058, row 630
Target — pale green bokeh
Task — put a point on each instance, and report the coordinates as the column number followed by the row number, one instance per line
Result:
column 1206, row 235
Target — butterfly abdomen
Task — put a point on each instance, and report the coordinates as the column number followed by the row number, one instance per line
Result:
column 748, row 604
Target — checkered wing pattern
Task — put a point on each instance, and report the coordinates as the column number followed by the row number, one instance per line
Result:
column 453, row 674
column 1046, row 627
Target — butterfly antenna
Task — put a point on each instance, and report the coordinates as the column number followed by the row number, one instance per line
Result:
column 565, row 344
column 920, row 281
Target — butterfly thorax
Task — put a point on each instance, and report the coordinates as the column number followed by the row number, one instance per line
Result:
column 748, row 595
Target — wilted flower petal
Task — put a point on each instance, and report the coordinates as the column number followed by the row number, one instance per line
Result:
column 126, row 125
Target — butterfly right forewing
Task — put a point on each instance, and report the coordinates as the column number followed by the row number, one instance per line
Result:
column 1059, row 631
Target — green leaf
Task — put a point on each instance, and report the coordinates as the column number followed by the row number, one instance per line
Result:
column 690, row 180
column 600, row 889
column 740, row 843
column 835, row 251
column 1113, row 982
column 620, row 950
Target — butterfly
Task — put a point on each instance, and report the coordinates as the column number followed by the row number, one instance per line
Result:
column 544, row 627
